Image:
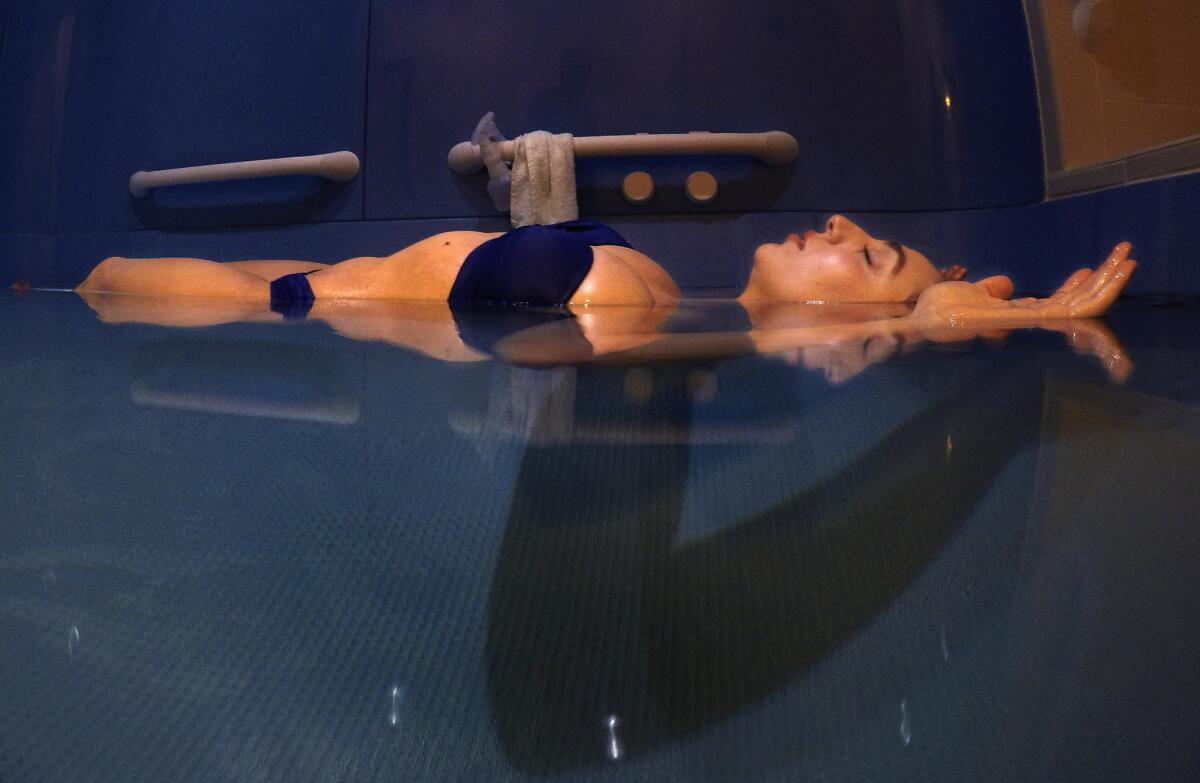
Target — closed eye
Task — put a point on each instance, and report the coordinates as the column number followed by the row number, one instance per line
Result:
column 901, row 256
column 896, row 247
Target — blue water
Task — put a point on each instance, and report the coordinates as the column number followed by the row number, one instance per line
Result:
column 269, row 552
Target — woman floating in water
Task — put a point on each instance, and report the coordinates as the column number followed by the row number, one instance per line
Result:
column 575, row 263
column 581, row 263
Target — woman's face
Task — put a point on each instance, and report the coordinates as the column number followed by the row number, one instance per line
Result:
column 842, row 264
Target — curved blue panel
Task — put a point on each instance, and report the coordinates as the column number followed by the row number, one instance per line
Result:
column 3, row 19
column 897, row 105
column 91, row 92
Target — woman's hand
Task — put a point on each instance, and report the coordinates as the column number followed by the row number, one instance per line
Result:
column 955, row 272
column 1085, row 294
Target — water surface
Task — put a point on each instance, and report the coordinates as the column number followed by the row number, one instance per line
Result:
column 264, row 551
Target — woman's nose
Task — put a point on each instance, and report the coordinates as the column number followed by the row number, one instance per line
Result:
column 835, row 229
column 839, row 228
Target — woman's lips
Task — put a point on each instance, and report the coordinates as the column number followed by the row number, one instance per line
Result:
column 800, row 240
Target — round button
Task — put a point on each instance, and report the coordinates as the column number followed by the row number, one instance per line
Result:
column 701, row 187
column 638, row 187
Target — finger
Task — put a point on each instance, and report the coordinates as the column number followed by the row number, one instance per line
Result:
column 997, row 286
column 1071, row 283
column 953, row 273
column 1102, row 299
column 1115, row 283
column 1098, row 279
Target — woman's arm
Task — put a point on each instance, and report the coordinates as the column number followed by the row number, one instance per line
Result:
column 174, row 277
column 424, row 270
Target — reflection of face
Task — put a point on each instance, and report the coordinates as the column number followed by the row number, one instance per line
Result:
column 842, row 264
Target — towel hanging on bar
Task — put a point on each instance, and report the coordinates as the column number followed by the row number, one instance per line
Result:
column 543, row 180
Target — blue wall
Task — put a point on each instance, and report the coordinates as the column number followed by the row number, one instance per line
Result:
column 861, row 84
column 3, row 19
column 90, row 92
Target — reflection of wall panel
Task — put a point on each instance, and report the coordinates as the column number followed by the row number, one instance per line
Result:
column 1139, row 89
column 896, row 105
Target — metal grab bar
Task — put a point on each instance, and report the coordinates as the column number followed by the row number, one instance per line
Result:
column 775, row 148
column 337, row 166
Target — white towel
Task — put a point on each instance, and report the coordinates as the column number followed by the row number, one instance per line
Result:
column 543, row 179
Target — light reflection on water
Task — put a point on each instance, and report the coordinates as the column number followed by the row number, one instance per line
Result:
column 397, row 697
column 729, row 562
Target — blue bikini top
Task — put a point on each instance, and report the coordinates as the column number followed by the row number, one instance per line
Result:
column 532, row 266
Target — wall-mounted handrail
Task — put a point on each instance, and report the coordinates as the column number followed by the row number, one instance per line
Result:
column 775, row 148
column 337, row 166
